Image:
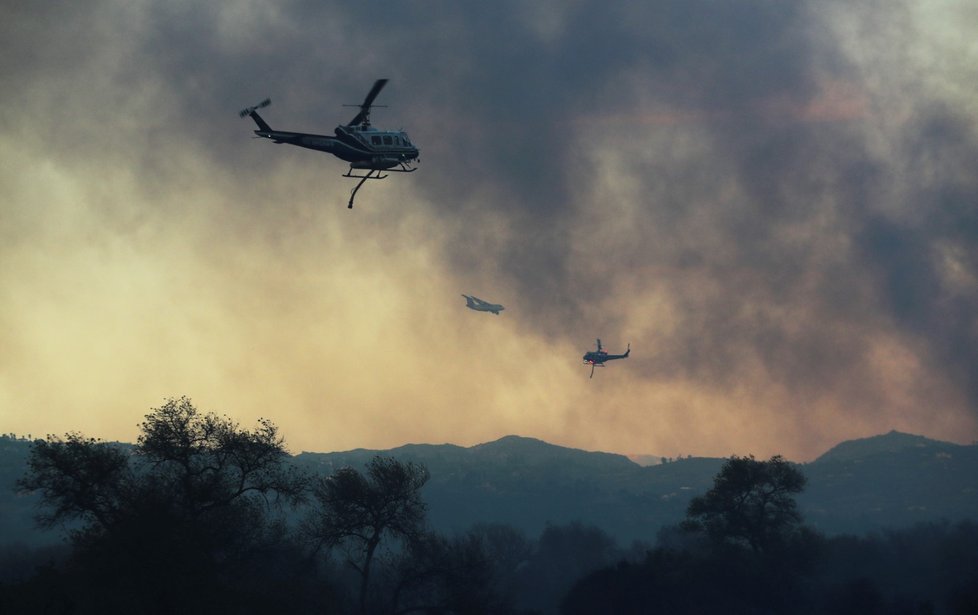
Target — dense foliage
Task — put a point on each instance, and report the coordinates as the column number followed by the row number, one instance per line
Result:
column 751, row 503
column 182, row 522
column 203, row 516
column 744, row 548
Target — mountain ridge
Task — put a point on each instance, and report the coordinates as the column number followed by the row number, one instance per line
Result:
column 890, row 442
column 857, row 486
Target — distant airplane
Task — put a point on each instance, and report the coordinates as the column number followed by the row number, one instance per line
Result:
column 474, row 303
column 598, row 357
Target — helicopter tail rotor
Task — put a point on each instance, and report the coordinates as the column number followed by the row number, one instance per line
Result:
column 250, row 110
column 253, row 112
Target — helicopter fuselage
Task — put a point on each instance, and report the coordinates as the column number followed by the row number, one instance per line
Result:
column 362, row 147
column 599, row 356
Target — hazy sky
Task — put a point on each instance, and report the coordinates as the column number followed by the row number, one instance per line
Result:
column 774, row 202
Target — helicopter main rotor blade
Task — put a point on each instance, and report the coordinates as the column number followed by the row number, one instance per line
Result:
column 368, row 102
column 374, row 91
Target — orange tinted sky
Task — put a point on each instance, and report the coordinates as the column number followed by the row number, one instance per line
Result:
column 775, row 205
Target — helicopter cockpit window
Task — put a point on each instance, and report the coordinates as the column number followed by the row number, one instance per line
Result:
column 375, row 140
column 388, row 140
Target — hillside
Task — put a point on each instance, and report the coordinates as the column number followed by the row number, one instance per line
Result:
column 528, row 483
column 888, row 481
column 892, row 480
column 892, row 442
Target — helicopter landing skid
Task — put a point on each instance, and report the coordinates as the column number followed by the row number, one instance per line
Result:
column 362, row 178
column 370, row 175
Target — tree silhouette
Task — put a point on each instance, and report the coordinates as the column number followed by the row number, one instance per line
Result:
column 208, row 462
column 744, row 536
column 435, row 574
column 563, row 554
column 172, row 524
column 750, row 503
column 508, row 550
column 356, row 511
column 80, row 479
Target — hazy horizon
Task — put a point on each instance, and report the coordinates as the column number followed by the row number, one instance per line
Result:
column 774, row 203
column 642, row 458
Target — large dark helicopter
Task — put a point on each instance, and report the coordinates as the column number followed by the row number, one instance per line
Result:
column 356, row 142
column 596, row 358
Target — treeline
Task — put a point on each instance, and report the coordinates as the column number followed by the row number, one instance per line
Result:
column 926, row 569
column 743, row 548
column 203, row 516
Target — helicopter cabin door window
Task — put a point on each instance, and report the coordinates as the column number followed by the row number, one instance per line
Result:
column 375, row 140
column 388, row 140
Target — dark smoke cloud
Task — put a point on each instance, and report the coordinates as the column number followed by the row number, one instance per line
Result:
column 908, row 259
column 747, row 181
